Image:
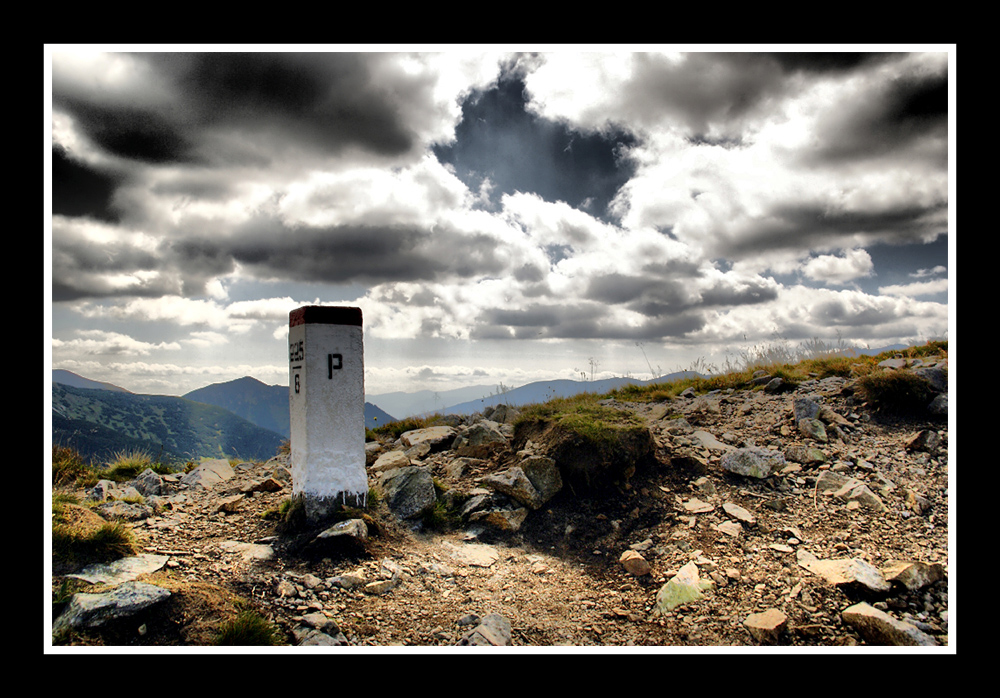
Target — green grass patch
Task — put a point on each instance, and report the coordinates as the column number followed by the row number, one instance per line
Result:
column 248, row 628
column 80, row 536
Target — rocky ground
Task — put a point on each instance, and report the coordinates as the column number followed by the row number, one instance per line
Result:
column 843, row 542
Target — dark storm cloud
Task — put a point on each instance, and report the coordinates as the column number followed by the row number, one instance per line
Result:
column 704, row 91
column 79, row 190
column 318, row 102
column 827, row 62
column 81, row 269
column 328, row 99
column 745, row 294
column 805, row 225
column 584, row 320
column 888, row 119
column 518, row 151
column 269, row 249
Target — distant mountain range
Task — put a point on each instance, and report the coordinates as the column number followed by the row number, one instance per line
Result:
column 100, row 423
column 242, row 418
column 266, row 405
column 542, row 391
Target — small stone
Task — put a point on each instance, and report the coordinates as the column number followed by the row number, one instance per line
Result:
column 634, row 563
column 766, row 627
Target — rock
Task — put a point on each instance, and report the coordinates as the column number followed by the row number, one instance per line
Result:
column 514, row 483
column 122, row 570
column 804, row 408
column 925, row 440
column 229, row 505
column 390, row 461
column 479, row 434
column 94, row 610
column 709, row 441
column 739, row 513
column 149, row 483
column 249, row 551
column 543, row 473
column 634, row 563
column 850, row 571
column 409, row 491
column 913, row 575
column 684, row 587
column 752, row 462
column 813, row 429
column 939, row 406
column 730, row 528
column 494, row 630
column 124, row 511
column 855, row 491
column 879, row 628
column 504, row 519
column 438, row 438
column 806, row 455
column 475, row 554
column 766, row 627
column 210, row 472
column 696, row 506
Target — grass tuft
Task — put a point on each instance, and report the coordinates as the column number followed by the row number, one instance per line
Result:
column 249, row 628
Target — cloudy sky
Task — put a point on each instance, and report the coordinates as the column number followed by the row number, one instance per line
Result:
column 499, row 216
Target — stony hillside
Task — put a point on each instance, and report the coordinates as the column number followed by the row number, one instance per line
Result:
column 772, row 514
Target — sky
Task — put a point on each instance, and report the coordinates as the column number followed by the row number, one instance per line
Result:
column 500, row 214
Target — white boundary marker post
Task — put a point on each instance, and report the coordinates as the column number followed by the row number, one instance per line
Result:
column 326, row 374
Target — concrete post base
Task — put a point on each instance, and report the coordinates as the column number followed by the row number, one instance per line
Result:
column 320, row 508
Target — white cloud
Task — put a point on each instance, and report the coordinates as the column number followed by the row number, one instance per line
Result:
column 93, row 342
column 831, row 269
column 923, row 288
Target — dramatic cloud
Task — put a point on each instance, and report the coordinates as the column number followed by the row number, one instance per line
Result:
column 505, row 208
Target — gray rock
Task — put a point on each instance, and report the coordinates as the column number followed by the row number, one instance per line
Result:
column 124, row 511
column 544, row 475
column 752, row 462
column 149, row 483
column 814, row 429
column 409, row 491
column 94, row 610
column 124, row 569
column 514, row 483
column 804, row 408
column 494, row 630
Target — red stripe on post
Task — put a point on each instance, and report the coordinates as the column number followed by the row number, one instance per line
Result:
column 325, row 315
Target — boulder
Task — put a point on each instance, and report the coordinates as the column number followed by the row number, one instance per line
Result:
column 409, row 491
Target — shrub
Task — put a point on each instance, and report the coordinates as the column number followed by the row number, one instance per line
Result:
column 68, row 466
column 127, row 465
column 248, row 628
column 896, row 392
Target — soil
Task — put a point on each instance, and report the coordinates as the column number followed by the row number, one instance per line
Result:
column 558, row 579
